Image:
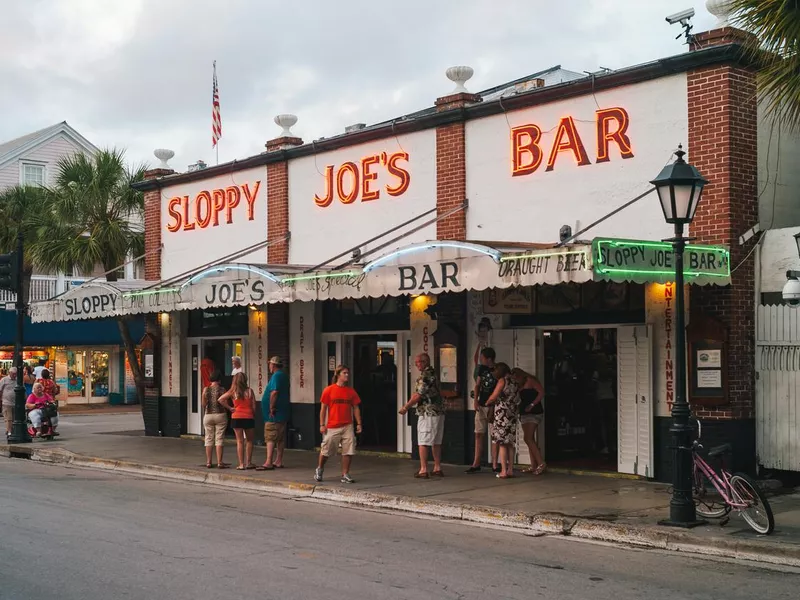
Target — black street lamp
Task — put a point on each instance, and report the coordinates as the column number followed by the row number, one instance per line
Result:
column 680, row 187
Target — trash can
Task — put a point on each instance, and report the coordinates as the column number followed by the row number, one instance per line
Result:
column 115, row 398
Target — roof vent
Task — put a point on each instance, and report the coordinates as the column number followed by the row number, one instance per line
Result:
column 354, row 127
column 530, row 84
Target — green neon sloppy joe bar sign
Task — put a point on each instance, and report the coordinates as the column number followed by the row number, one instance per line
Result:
column 624, row 259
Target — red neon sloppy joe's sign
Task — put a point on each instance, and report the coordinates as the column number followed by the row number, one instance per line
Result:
column 352, row 181
column 611, row 127
column 210, row 208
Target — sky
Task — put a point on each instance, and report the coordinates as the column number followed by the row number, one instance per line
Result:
column 137, row 74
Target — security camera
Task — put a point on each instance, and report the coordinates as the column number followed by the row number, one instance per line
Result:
column 681, row 17
column 791, row 292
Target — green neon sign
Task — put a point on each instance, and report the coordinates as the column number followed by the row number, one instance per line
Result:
column 647, row 258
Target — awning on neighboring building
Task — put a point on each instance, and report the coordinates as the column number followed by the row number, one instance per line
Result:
column 425, row 268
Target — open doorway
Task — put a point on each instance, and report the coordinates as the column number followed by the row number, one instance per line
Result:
column 581, row 398
column 374, row 377
column 218, row 354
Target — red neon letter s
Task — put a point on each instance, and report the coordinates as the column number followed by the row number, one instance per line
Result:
column 619, row 136
column 566, row 127
column 328, row 197
column 175, row 225
column 402, row 174
column 525, row 142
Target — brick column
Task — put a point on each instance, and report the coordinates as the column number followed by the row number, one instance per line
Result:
column 152, row 226
column 278, row 226
column 278, row 200
column 723, row 146
column 451, row 170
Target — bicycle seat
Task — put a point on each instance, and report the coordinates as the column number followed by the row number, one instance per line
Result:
column 720, row 450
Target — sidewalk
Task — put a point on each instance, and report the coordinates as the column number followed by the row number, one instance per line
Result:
column 618, row 510
column 94, row 409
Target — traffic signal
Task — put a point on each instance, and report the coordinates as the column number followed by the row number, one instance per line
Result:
column 9, row 270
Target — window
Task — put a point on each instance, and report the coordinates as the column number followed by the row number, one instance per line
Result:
column 32, row 174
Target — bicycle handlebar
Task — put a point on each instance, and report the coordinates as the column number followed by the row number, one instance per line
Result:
column 699, row 429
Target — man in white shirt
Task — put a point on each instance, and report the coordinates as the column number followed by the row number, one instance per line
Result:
column 37, row 372
column 237, row 365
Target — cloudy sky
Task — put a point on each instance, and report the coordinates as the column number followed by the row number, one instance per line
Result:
column 136, row 74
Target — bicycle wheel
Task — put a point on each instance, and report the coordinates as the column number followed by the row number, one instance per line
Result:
column 709, row 503
column 758, row 513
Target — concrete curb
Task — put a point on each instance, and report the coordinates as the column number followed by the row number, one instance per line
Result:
column 643, row 536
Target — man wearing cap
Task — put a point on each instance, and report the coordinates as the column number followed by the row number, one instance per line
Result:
column 275, row 407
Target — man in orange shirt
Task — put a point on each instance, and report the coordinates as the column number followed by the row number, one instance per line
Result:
column 339, row 407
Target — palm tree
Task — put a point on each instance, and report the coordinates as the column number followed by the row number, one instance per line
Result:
column 24, row 209
column 775, row 25
column 95, row 219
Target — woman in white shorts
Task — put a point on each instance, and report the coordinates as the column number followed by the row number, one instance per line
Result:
column 531, row 414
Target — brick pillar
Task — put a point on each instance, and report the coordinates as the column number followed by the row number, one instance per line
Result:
column 278, row 200
column 451, row 170
column 723, row 146
column 278, row 226
column 152, row 226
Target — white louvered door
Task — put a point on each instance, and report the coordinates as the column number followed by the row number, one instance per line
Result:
column 634, row 400
column 526, row 346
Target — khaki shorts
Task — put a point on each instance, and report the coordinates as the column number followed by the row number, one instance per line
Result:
column 341, row 435
column 214, row 426
column 430, row 430
column 275, row 432
column 482, row 419
column 8, row 413
column 531, row 418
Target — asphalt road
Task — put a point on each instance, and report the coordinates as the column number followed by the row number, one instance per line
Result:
column 75, row 534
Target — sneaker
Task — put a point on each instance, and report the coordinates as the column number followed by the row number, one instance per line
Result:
column 347, row 479
column 318, row 474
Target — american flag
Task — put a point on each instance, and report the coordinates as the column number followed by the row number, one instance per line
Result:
column 216, row 120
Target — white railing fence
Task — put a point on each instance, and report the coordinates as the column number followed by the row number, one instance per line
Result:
column 44, row 287
column 778, row 387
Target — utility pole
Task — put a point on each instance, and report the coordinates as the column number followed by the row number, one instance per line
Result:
column 11, row 267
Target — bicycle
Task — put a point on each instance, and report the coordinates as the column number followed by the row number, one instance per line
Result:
column 735, row 492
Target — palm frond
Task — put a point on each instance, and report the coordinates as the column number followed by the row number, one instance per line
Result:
column 775, row 42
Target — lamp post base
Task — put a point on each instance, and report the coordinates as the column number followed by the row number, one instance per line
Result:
column 682, row 524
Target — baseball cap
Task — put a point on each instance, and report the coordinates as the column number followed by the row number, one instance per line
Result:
column 276, row 360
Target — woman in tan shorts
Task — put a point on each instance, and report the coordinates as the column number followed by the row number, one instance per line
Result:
column 215, row 420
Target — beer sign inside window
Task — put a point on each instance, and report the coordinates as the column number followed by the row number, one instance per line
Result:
column 528, row 153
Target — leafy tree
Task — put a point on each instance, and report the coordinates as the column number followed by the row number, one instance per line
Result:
column 775, row 25
column 25, row 209
column 95, row 218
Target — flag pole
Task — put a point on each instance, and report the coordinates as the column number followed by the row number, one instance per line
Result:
column 216, row 119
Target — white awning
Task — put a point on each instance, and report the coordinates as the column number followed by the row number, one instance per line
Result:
column 426, row 268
